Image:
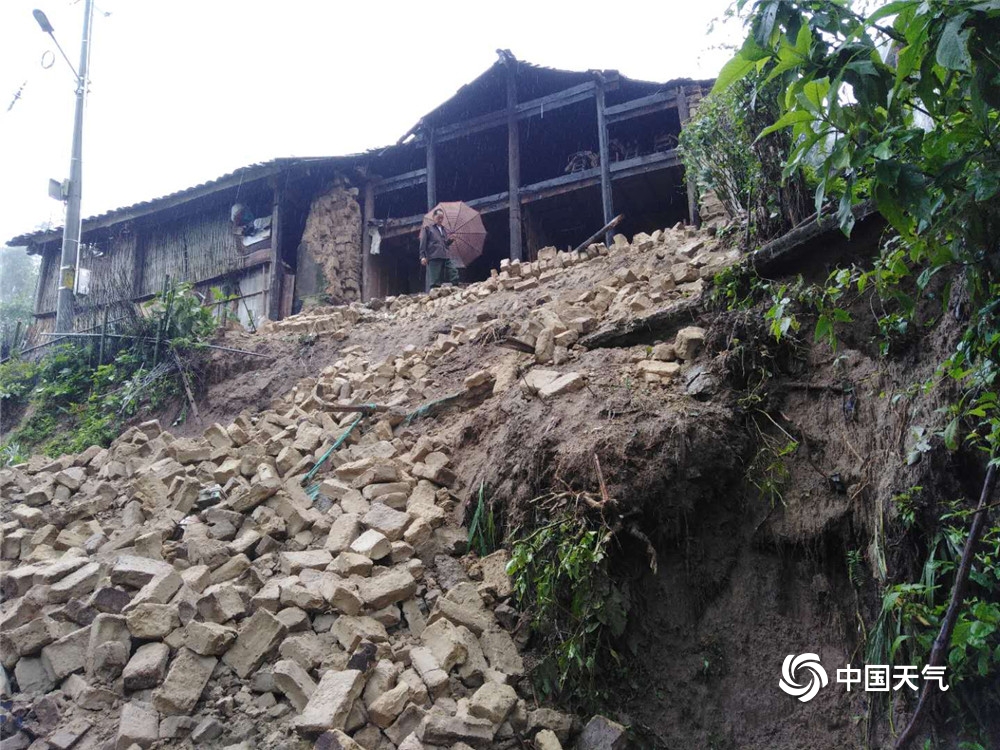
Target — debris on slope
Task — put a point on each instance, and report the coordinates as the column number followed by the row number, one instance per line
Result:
column 291, row 577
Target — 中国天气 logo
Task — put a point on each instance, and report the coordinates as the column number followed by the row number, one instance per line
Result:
column 802, row 676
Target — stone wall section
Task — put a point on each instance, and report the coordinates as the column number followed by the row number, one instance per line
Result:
column 329, row 255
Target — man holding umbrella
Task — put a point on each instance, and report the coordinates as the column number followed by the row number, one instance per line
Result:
column 435, row 242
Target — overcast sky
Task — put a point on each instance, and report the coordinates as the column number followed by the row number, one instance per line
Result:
column 183, row 91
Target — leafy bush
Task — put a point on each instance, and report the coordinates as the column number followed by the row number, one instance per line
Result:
column 560, row 572
column 720, row 149
column 76, row 405
column 17, row 379
column 901, row 105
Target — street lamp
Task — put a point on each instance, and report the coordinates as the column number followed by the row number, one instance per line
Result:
column 71, row 232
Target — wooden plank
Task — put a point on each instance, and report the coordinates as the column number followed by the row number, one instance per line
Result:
column 589, row 176
column 287, row 295
column 645, row 164
column 605, row 155
column 683, row 111
column 273, row 284
column 513, row 163
column 367, row 263
column 642, row 106
column 564, row 98
column 431, row 170
column 257, row 258
column 401, row 181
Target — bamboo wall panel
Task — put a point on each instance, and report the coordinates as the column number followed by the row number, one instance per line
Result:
column 111, row 272
column 194, row 248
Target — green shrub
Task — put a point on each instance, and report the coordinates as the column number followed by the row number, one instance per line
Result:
column 75, row 405
column 720, row 149
column 17, row 378
column 560, row 573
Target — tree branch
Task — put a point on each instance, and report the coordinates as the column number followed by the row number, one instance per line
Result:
column 938, row 652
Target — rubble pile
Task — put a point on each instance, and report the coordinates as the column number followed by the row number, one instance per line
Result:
column 297, row 577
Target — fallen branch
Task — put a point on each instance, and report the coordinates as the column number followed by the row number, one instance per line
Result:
column 943, row 639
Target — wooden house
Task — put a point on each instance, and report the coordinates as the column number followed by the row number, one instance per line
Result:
column 547, row 156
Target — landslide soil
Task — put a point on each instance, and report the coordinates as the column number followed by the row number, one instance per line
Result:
column 741, row 581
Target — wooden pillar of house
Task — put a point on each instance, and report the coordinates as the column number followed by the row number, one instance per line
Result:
column 367, row 261
column 273, row 302
column 40, row 284
column 431, row 170
column 607, row 199
column 513, row 162
column 684, row 113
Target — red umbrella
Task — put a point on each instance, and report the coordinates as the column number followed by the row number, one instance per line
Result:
column 465, row 226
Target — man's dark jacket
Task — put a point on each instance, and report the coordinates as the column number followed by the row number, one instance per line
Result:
column 434, row 242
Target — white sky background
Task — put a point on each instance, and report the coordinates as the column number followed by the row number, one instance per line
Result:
column 183, row 91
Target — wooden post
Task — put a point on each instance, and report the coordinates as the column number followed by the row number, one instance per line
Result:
column 104, row 336
column 431, row 169
column 367, row 262
column 273, row 301
column 40, row 285
column 513, row 162
column 607, row 199
column 685, row 115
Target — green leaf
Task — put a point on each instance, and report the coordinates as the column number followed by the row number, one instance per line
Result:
column 953, row 46
column 817, row 91
column 733, row 71
column 789, row 118
column 950, row 435
column 890, row 9
column 824, row 328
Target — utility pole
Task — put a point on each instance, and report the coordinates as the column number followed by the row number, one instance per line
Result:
column 71, row 233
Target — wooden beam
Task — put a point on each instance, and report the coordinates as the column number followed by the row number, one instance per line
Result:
column 550, row 188
column 367, row 262
column 401, row 181
column 533, row 108
column 564, row 98
column 431, row 170
column 645, row 164
column 513, row 163
column 684, row 113
column 642, row 106
column 256, row 258
column 277, row 270
column 607, row 200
